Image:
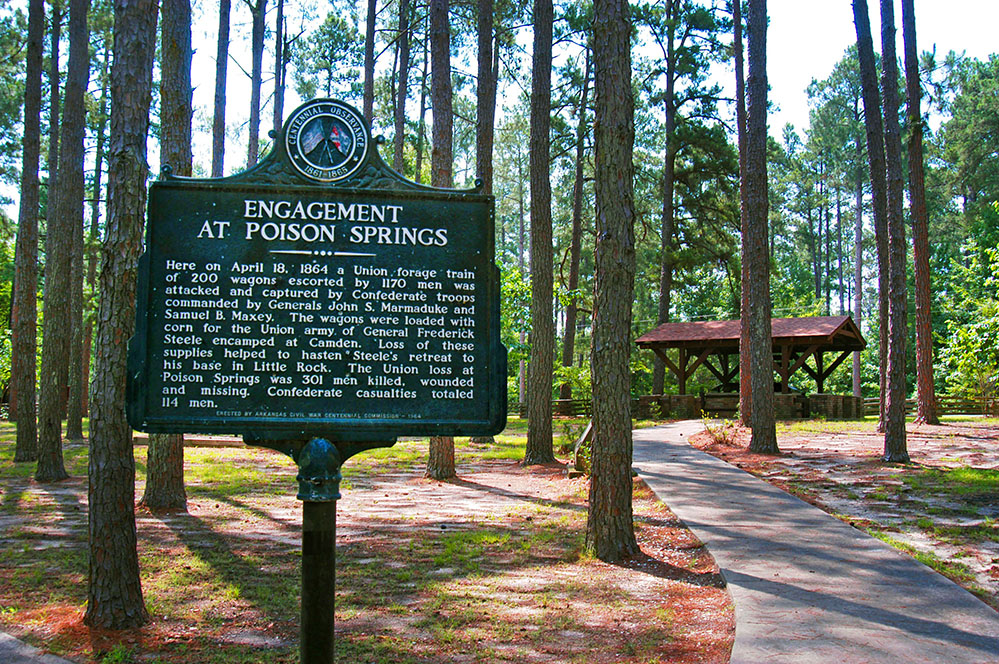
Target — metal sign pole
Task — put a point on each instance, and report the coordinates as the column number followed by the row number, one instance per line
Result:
column 318, row 582
column 319, row 477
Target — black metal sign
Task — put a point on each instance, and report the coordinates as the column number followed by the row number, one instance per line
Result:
column 319, row 291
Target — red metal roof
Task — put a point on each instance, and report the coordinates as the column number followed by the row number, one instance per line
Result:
column 814, row 328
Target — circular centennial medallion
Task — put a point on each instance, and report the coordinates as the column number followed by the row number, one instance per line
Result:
column 326, row 140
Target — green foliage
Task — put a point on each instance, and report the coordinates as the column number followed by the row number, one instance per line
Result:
column 13, row 35
column 970, row 358
column 328, row 62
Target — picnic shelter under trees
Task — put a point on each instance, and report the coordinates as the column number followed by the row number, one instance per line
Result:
column 825, row 340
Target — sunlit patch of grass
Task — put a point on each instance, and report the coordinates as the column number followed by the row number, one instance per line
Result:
column 867, row 425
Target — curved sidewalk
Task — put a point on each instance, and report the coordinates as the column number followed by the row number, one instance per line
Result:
column 806, row 586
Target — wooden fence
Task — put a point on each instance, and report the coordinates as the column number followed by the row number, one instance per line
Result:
column 947, row 405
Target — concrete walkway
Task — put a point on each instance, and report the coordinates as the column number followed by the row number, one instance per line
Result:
column 13, row 651
column 806, row 586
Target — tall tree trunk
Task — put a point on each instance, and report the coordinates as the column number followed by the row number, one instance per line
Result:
column 165, row 461
column 521, row 252
column 422, row 126
column 403, row 89
column 764, row 437
column 839, row 250
column 280, row 68
column 65, row 217
column 221, row 66
column 610, row 532
column 258, row 10
column 926, row 406
column 114, row 591
column 858, row 266
column 879, row 187
column 576, row 241
column 24, row 306
column 369, row 63
column 93, row 237
column 745, row 358
column 542, row 337
column 440, row 464
column 667, row 229
column 486, row 97
column 55, row 37
column 895, row 445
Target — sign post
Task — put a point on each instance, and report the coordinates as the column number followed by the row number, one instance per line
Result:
column 318, row 304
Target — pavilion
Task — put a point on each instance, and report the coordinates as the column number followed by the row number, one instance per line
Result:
column 825, row 340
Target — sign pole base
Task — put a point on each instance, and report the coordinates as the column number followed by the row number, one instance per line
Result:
column 318, row 581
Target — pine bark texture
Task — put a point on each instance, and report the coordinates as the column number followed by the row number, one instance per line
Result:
column 895, row 445
column 926, row 401
column 403, row 88
column 610, row 532
column 369, row 62
column 440, row 464
column 764, row 436
column 576, row 240
column 93, row 250
column 71, row 202
column 542, row 336
column 485, row 109
column 879, row 187
column 745, row 371
column 23, row 306
column 258, row 10
column 165, row 463
column 221, row 67
column 55, row 38
column 64, row 218
column 114, row 591
column 440, row 95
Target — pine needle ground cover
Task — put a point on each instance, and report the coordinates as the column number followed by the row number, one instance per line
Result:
column 486, row 568
column 943, row 508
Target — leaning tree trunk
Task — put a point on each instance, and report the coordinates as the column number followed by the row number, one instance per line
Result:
column 165, row 461
column 576, row 241
column 24, row 308
column 221, row 66
column 879, row 193
column 895, row 445
column 65, row 217
column 114, row 591
column 926, row 401
column 280, row 68
column 440, row 464
column 764, row 436
column 745, row 372
column 610, row 530
column 542, row 337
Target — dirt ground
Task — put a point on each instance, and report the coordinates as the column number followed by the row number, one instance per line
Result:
column 943, row 507
column 485, row 568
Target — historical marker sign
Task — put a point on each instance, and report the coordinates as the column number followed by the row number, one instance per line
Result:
column 318, row 292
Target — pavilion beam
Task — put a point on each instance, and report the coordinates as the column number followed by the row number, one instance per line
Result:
column 700, row 360
column 838, row 361
column 682, row 362
column 785, row 373
column 661, row 354
column 819, row 375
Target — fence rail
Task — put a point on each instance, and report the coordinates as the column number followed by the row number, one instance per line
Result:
column 947, row 405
